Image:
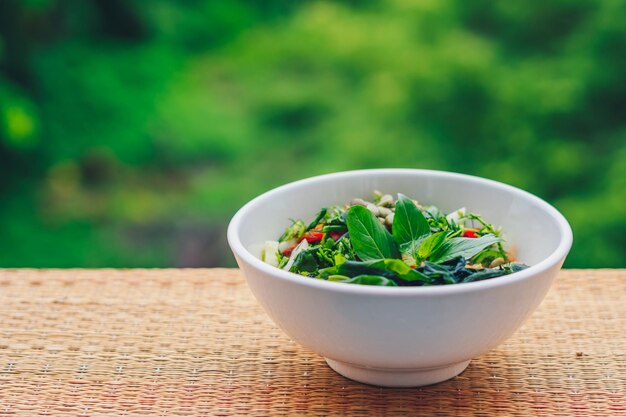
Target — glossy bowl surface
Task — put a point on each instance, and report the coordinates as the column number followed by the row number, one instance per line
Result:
column 402, row 336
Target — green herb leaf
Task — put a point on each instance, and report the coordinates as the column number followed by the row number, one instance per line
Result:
column 402, row 270
column 393, row 269
column 370, row 239
column 485, row 257
column 305, row 261
column 354, row 268
column 462, row 247
column 409, row 224
column 430, row 245
column 410, row 248
column 320, row 216
column 334, row 228
column 485, row 274
column 446, row 273
column 337, row 278
column 369, row 280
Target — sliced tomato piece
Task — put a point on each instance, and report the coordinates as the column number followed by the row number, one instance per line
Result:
column 336, row 235
column 469, row 233
column 312, row 236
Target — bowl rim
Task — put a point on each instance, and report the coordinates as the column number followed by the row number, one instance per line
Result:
column 558, row 255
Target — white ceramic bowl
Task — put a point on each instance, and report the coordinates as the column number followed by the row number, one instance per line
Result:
column 402, row 336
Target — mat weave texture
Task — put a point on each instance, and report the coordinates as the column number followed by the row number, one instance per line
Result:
column 195, row 342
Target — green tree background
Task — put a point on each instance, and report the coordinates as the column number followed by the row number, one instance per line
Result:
column 131, row 131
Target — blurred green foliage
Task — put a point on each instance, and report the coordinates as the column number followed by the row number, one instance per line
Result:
column 131, row 131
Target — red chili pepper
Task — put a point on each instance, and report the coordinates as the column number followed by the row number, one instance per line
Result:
column 336, row 235
column 313, row 236
column 469, row 233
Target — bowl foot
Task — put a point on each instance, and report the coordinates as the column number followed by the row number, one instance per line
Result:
column 397, row 377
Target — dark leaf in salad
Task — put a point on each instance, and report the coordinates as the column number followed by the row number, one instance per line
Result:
column 450, row 272
column 334, row 228
column 462, row 247
column 354, row 268
column 305, row 261
column 393, row 269
column 484, row 274
column 409, row 224
column 370, row 239
column 487, row 273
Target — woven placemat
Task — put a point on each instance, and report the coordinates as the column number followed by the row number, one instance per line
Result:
column 195, row 342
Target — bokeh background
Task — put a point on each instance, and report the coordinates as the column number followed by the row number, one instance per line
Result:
column 130, row 131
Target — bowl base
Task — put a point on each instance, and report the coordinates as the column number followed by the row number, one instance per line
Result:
column 397, row 377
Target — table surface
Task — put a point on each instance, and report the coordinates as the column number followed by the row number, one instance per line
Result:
column 195, row 342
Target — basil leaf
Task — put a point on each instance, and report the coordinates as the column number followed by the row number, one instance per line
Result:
column 354, row 268
column 420, row 249
column 430, row 245
column 409, row 224
column 402, row 270
column 369, row 280
column 464, row 247
column 370, row 239
column 487, row 256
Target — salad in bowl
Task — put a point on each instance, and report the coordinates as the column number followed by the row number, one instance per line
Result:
column 392, row 242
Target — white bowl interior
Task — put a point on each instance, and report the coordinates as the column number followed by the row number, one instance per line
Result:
column 529, row 228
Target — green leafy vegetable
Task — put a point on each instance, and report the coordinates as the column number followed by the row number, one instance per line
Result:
column 462, row 247
column 305, row 261
column 354, row 268
column 401, row 269
column 370, row 239
column 409, row 224
column 320, row 216
column 430, row 245
column 394, row 269
column 449, row 273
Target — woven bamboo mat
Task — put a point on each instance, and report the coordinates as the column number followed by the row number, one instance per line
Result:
column 194, row 342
